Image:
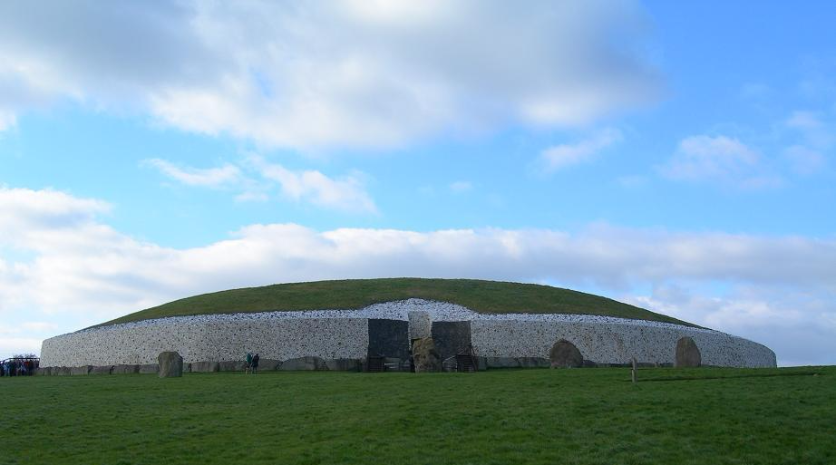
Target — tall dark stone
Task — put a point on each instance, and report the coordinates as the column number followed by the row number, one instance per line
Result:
column 564, row 354
column 687, row 353
column 451, row 338
column 171, row 365
column 389, row 338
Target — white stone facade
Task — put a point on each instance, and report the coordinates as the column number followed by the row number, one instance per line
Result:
column 344, row 334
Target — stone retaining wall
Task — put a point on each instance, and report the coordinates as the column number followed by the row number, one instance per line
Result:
column 500, row 340
column 217, row 341
column 614, row 343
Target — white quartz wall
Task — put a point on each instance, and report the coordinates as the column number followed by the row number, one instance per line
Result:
column 198, row 340
column 617, row 343
column 334, row 334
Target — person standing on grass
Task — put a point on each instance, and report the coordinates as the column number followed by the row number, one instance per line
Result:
column 255, row 363
column 249, row 362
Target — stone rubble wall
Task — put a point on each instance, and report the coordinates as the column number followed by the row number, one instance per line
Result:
column 218, row 341
column 344, row 334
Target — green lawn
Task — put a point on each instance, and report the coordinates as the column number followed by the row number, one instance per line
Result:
column 584, row 416
column 480, row 296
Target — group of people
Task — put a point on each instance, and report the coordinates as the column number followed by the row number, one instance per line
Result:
column 252, row 363
column 18, row 367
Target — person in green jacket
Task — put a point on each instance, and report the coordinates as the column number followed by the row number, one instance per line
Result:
column 248, row 368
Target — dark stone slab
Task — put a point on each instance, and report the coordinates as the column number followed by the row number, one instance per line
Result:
column 151, row 368
column 513, row 362
column 83, row 370
column 125, row 369
column 389, row 338
column 43, row 371
column 235, row 366
column 304, row 364
column 61, row 371
column 268, row 364
column 101, row 370
column 534, row 362
column 564, row 354
column 501, row 362
column 687, row 353
column 451, row 338
column 343, row 364
column 171, row 364
column 205, row 367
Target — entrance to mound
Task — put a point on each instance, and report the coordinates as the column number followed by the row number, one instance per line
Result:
column 390, row 343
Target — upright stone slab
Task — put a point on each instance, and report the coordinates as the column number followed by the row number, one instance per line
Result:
column 451, row 338
column 564, row 354
column 425, row 356
column 171, row 365
column 304, row 364
column 205, row 367
column 420, row 325
column 687, row 353
column 389, row 338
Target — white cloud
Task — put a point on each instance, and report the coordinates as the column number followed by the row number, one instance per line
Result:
column 804, row 160
column 719, row 159
column 305, row 75
column 83, row 271
column 346, row 193
column 564, row 155
column 7, row 120
column 804, row 120
column 208, row 177
column 461, row 186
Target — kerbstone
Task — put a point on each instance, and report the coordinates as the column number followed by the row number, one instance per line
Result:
column 564, row 354
column 125, row 369
column 83, row 370
column 148, row 368
column 102, row 370
column 304, row 364
column 171, row 364
column 236, row 366
column 687, row 353
column 205, row 367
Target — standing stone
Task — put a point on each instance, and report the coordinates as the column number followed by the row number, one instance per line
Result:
column 420, row 325
column 687, row 353
column 564, row 354
column 424, row 355
column 171, row 365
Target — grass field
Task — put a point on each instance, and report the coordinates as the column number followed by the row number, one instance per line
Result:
column 585, row 416
column 480, row 296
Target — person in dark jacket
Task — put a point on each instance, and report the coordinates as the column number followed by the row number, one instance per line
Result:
column 255, row 363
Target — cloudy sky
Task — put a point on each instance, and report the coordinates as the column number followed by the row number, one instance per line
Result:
column 680, row 156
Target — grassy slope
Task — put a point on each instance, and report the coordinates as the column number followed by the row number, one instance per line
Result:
column 481, row 296
column 698, row 416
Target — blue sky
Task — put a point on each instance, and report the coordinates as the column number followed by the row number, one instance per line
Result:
column 674, row 155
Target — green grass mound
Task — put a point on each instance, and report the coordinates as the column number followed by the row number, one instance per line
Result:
column 581, row 417
column 477, row 295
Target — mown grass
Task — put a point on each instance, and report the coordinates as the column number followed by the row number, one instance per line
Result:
column 480, row 296
column 586, row 416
